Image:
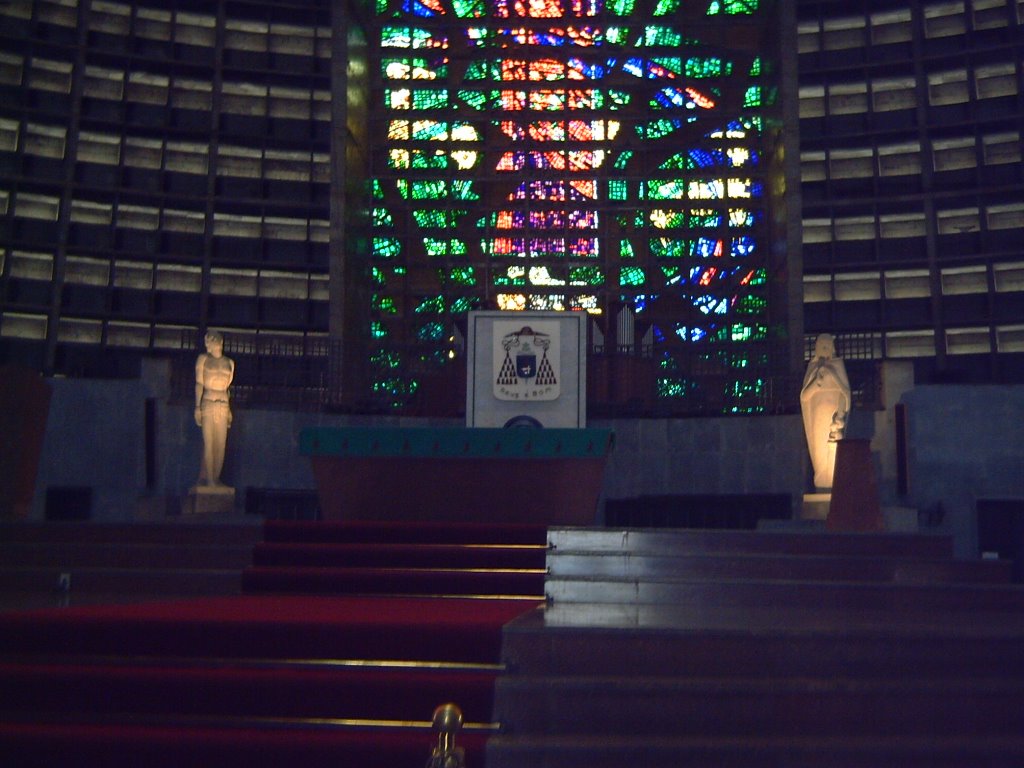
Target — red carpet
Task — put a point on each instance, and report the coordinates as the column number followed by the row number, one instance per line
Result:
column 269, row 679
column 271, row 627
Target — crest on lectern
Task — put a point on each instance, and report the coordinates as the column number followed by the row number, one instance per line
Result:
column 527, row 361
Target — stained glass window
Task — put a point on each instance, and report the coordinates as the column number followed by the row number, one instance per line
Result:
column 568, row 155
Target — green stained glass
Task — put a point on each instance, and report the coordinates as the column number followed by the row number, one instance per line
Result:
column 385, row 360
column 752, row 305
column 662, row 37
column 616, row 35
column 463, row 190
column 430, row 98
column 752, row 98
column 469, row 9
column 668, row 189
column 461, row 305
column 474, row 99
column 632, row 276
column 376, row 190
column 586, row 276
column 664, row 248
column 378, row 330
column 399, row 389
column 755, row 67
column 673, row 64
column 618, row 98
column 679, row 161
column 697, row 67
column 382, row 218
column 666, row 7
column 621, row 7
column 404, row 37
column 430, row 332
column 705, row 218
column 622, row 161
column 657, row 129
column 671, row 273
column 674, row 387
column 382, row 303
column 742, row 332
column 436, row 160
column 386, row 247
column 626, row 250
column 618, row 190
column 435, row 305
column 433, row 218
column 740, row 7
column 663, row 219
column 435, row 247
column 431, row 189
column 378, row 277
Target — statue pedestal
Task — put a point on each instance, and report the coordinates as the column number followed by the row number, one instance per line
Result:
column 209, row 500
column 855, row 503
column 815, row 506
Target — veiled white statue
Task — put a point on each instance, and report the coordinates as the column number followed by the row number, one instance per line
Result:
column 825, row 404
column 214, row 374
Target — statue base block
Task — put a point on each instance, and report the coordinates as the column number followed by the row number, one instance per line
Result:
column 815, row 506
column 209, row 500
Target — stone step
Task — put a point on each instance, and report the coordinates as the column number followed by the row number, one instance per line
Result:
column 697, row 594
column 562, row 563
column 758, row 707
column 849, row 751
column 770, row 644
column 780, row 542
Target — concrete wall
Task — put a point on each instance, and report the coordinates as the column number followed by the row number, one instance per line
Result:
column 96, row 437
column 965, row 443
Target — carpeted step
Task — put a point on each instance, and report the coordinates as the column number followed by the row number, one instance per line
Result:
column 190, row 531
column 377, row 555
column 242, row 743
column 396, row 581
column 402, row 532
column 270, row 626
column 123, row 581
column 219, row 688
column 135, row 555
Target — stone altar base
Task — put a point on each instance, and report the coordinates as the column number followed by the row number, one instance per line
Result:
column 209, row 500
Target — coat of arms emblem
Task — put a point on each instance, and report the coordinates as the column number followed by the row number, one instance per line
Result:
column 526, row 361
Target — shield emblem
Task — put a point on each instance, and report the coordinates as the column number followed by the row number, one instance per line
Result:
column 526, row 366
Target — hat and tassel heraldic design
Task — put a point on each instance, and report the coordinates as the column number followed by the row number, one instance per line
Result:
column 521, row 370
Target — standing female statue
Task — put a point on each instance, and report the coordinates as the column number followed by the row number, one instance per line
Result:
column 825, row 404
column 214, row 374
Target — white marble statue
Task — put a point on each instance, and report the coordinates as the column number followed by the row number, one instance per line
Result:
column 825, row 404
column 214, row 374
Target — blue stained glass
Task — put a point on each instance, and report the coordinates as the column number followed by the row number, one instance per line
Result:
column 706, row 247
column 418, row 8
column 742, row 246
column 590, row 71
